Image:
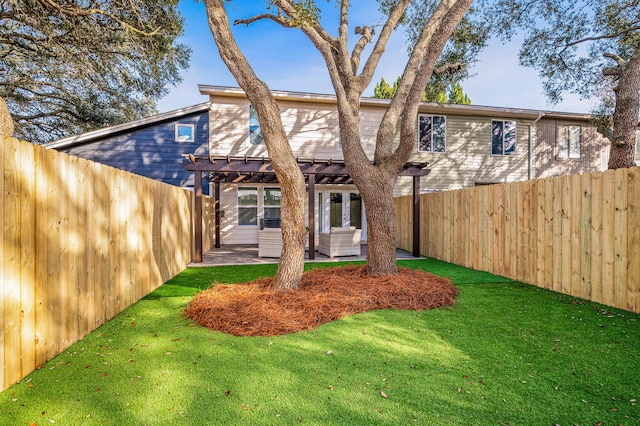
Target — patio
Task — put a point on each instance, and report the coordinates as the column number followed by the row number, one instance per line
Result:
column 231, row 254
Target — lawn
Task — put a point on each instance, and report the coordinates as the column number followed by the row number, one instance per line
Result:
column 505, row 354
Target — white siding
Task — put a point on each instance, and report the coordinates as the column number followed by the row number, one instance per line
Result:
column 312, row 129
column 468, row 159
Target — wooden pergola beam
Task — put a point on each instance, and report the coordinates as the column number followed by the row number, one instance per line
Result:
column 243, row 170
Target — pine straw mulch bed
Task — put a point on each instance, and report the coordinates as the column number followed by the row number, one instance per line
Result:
column 256, row 309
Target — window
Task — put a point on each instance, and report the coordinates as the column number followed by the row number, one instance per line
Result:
column 255, row 132
column 568, row 141
column 272, row 203
column 503, row 137
column 247, row 206
column 185, row 132
column 431, row 133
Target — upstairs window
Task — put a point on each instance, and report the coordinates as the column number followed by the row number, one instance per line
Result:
column 255, row 132
column 568, row 141
column 431, row 133
column 503, row 137
column 185, row 133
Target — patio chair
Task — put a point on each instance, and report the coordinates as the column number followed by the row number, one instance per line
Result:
column 340, row 242
column 269, row 242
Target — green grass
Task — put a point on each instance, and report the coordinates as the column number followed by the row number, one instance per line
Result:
column 505, row 353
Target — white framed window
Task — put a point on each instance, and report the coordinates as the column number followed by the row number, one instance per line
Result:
column 255, row 132
column 432, row 133
column 185, row 132
column 503, row 137
column 271, row 203
column 568, row 139
column 247, row 206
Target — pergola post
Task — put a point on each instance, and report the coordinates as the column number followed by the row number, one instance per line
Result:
column 197, row 216
column 416, row 216
column 247, row 170
column 312, row 216
column 216, row 209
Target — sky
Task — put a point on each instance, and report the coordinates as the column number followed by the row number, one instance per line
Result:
column 286, row 60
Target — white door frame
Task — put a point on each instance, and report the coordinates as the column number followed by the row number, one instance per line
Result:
column 324, row 208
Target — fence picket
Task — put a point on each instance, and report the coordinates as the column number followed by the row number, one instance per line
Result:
column 633, row 241
column 578, row 235
column 68, row 261
column 608, row 243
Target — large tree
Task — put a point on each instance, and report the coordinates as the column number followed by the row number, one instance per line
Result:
column 69, row 66
column 433, row 24
column 587, row 47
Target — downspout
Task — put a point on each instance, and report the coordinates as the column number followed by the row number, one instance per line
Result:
column 530, row 174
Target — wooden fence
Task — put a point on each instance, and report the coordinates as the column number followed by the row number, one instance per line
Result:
column 80, row 242
column 578, row 234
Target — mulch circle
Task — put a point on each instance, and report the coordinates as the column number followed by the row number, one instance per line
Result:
column 256, row 309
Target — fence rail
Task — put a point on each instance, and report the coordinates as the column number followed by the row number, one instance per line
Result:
column 577, row 235
column 80, row 242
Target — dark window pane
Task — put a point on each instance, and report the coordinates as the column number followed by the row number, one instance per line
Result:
column 496, row 137
column 425, row 134
column 439, row 130
column 248, row 216
column 509, row 137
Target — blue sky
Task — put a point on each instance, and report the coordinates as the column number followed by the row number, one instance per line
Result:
column 286, row 60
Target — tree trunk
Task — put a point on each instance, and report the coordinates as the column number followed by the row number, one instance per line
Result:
column 291, row 263
column 377, row 194
column 292, row 184
column 625, row 115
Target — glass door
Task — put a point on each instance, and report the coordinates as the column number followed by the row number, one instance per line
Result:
column 345, row 209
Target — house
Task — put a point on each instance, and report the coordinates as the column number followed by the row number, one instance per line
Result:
column 464, row 145
column 150, row 147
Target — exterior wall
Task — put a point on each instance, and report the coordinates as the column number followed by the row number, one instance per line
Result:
column 468, row 160
column 312, row 129
column 313, row 132
column 151, row 151
column 231, row 233
column 594, row 150
column 311, row 123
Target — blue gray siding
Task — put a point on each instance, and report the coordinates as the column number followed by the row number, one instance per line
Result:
column 150, row 151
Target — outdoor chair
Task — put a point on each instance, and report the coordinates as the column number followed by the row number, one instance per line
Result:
column 340, row 242
column 269, row 242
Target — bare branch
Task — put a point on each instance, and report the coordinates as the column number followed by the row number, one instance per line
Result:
column 277, row 19
column 372, row 63
column 600, row 37
column 367, row 36
column 619, row 60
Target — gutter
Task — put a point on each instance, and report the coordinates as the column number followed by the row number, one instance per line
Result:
column 530, row 174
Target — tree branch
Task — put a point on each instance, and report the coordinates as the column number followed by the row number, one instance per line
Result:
column 618, row 59
column 600, row 37
column 367, row 36
column 79, row 12
column 450, row 68
column 364, row 79
column 269, row 16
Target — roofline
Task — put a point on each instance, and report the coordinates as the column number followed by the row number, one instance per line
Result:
column 124, row 127
column 425, row 107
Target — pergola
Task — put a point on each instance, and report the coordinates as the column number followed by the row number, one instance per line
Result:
column 242, row 170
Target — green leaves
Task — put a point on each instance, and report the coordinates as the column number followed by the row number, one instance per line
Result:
column 70, row 67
